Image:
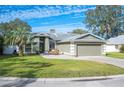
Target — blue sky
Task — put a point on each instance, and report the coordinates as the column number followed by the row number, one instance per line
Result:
column 43, row 18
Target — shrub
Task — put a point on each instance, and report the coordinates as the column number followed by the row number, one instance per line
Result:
column 54, row 52
column 122, row 49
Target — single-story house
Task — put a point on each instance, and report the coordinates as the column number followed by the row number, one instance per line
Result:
column 41, row 42
column 114, row 44
column 82, row 45
column 78, row 45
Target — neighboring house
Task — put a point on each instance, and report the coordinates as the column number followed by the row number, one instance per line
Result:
column 77, row 45
column 114, row 44
column 82, row 45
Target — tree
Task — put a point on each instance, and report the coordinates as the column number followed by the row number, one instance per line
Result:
column 105, row 20
column 3, row 27
column 16, row 33
column 1, row 45
column 79, row 31
column 122, row 49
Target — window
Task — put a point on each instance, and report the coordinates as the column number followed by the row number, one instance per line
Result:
column 28, row 48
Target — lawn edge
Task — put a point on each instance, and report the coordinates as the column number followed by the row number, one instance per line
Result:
column 65, row 79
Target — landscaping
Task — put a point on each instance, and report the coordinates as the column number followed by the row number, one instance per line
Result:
column 116, row 55
column 37, row 66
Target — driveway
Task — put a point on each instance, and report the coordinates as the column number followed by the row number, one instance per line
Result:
column 114, row 61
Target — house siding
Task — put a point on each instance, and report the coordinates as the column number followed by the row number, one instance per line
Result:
column 64, row 48
column 47, row 44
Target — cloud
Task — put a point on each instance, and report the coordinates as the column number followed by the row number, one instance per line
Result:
column 41, row 12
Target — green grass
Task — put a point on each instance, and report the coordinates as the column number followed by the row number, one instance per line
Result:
column 36, row 66
column 116, row 55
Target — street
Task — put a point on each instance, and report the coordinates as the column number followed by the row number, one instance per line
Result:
column 110, row 82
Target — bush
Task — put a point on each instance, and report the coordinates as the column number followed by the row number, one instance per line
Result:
column 122, row 49
column 54, row 52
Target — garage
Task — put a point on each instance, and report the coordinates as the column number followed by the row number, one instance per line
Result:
column 82, row 45
column 88, row 50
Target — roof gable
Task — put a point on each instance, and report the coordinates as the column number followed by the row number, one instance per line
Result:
column 88, row 37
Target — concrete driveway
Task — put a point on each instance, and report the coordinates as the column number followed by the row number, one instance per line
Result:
column 114, row 61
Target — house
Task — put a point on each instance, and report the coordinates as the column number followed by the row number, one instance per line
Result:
column 114, row 44
column 78, row 45
column 82, row 45
column 40, row 42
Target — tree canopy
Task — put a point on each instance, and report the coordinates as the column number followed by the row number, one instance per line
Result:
column 15, row 32
column 105, row 20
column 79, row 31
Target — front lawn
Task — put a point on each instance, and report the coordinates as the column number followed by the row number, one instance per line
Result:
column 36, row 66
column 116, row 55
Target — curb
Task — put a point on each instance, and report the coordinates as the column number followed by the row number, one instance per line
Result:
column 65, row 79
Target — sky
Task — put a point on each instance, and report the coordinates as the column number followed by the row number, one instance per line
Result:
column 42, row 18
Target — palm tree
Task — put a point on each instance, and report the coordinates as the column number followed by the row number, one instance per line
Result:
column 16, row 33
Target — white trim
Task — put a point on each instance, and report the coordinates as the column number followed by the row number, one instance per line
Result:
column 72, row 49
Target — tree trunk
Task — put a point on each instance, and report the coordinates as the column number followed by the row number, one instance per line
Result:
column 21, row 51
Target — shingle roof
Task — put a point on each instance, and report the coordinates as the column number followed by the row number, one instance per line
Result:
column 55, row 36
column 40, row 34
column 60, row 36
column 116, row 40
column 73, row 38
column 67, row 37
